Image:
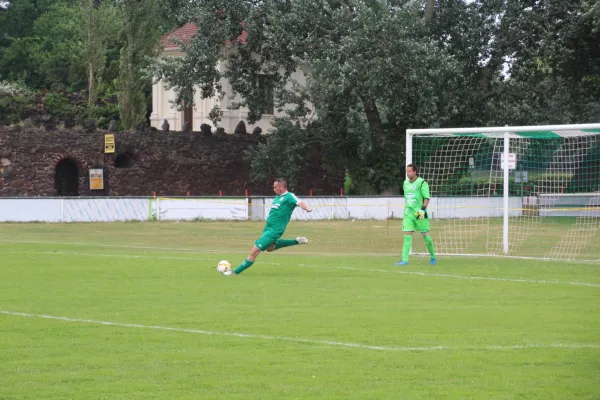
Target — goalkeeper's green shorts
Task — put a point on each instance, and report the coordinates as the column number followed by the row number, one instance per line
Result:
column 410, row 223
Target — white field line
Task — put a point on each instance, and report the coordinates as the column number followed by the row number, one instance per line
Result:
column 116, row 246
column 391, row 271
column 309, row 341
column 476, row 278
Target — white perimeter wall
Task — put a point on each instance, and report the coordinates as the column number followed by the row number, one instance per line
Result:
column 121, row 209
column 227, row 208
column 385, row 207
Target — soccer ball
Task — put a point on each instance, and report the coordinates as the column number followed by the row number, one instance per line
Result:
column 223, row 266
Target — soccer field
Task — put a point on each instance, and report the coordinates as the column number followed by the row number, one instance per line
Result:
column 138, row 311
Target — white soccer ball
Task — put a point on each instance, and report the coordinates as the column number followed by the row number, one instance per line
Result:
column 224, row 266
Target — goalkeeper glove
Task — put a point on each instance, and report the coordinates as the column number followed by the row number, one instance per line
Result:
column 421, row 214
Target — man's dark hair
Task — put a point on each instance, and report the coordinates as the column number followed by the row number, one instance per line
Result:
column 282, row 182
column 414, row 167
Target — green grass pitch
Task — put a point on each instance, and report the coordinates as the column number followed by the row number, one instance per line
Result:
column 138, row 311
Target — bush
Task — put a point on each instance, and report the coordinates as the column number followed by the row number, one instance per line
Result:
column 16, row 103
column 104, row 114
column 62, row 108
column 74, row 107
column 348, row 186
column 15, row 89
column 494, row 185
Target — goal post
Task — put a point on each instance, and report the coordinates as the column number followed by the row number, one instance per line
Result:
column 527, row 191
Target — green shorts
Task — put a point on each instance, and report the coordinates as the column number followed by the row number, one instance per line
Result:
column 267, row 238
column 410, row 223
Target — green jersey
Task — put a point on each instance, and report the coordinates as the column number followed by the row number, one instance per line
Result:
column 281, row 211
column 414, row 194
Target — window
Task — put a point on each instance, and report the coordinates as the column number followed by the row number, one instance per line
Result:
column 266, row 90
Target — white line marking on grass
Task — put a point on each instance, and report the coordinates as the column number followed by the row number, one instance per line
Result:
column 116, row 246
column 134, row 256
column 483, row 278
column 309, row 341
column 391, row 271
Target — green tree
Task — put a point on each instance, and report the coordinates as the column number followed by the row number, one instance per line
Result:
column 16, row 42
column 372, row 71
column 376, row 67
column 520, row 62
column 99, row 21
column 57, row 53
column 19, row 16
column 141, row 31
column 592, row 12
column 51, row 43
column 20, row 40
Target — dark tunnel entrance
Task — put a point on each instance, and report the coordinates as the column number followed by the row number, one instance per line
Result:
column 66, row 178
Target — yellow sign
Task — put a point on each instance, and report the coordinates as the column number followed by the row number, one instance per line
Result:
column 109, row 143
column 96, row 179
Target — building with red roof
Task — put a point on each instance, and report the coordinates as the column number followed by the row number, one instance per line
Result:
column 163, row 109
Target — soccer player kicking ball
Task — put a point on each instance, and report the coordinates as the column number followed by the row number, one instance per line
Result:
column 416, row 198
column 281, row 212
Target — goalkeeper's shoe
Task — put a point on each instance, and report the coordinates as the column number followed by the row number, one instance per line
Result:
column 302, row 240
column 399, row 263
column 229, row 273
column 433, row 261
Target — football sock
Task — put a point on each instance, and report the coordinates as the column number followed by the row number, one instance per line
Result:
column 429, row 244
column 243, row 266
column 406, row 247
column 285, row 243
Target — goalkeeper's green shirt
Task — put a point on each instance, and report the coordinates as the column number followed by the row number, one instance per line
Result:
column 414, row 194
column 281, row 211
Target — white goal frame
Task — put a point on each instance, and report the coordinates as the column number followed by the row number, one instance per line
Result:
column 506, row 132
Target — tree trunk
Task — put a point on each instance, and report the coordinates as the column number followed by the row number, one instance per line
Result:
column 90, row 84
column 429, row 7
column 374, row 118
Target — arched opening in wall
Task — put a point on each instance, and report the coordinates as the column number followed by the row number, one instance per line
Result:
column 66, row 178
column 124, row 160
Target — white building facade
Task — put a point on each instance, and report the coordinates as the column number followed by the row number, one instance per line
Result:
column 163, row 107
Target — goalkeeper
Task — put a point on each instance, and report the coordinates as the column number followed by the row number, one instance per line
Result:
column 416, row 198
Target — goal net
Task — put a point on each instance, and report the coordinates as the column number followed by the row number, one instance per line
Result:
column 545, row 204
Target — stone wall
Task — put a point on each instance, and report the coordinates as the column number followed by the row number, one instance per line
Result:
column 168, row 164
